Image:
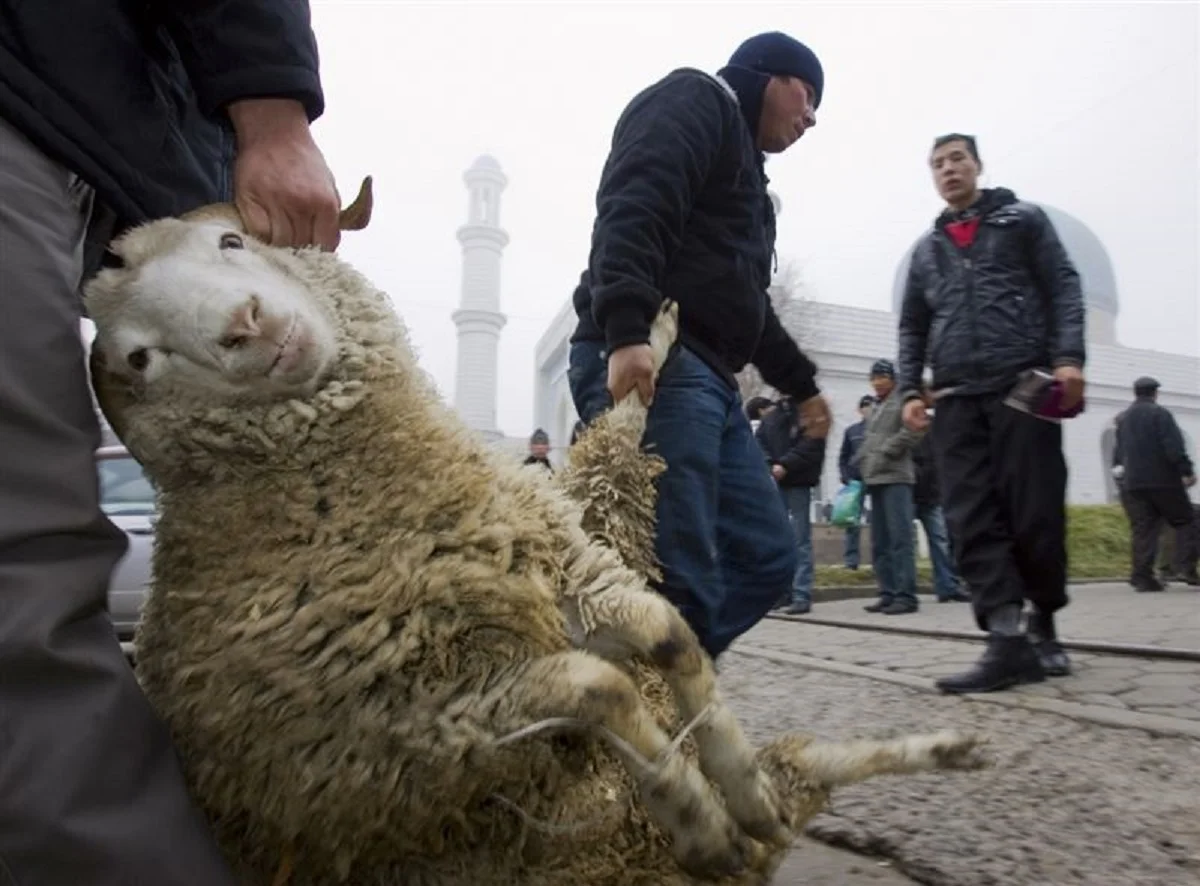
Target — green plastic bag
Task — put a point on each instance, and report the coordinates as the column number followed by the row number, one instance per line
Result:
column 847, row 505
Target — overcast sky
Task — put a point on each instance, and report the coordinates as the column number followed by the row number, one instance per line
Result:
column 1090, row 107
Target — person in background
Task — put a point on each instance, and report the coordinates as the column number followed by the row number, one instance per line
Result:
column 1156, row 474
column 848, row 470
column 539, row 450
column 885, row 461
column 756, row 410
column 683, row 213
column 113, row 114
column 796, row 461
column 947, row 585
column 991, row 293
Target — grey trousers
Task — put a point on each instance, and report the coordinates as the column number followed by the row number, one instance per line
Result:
column 91, row 791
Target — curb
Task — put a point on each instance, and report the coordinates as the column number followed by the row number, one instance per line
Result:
column 1100, row 647
column 1157, row 725
column 833, row 593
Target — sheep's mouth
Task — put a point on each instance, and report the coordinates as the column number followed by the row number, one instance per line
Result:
column 288, row 349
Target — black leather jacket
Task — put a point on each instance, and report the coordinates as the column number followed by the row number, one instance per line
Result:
column 979, row 315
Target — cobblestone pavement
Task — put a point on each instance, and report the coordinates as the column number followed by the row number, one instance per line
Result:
column 813, row 863
column 1067, row 803
column 1112, row 613
column 1123, row 688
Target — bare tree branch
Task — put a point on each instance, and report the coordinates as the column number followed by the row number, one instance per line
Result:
column 794, row 307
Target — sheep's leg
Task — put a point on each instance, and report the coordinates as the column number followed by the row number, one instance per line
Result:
column 624, row 622
column 593, row 692
column 835, row 764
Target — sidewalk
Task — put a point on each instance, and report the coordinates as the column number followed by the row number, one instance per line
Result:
column 1135, row 691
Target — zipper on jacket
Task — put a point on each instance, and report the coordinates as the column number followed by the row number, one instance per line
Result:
column 972, row 308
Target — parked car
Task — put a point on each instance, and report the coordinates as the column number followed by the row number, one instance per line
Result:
column 127, row 497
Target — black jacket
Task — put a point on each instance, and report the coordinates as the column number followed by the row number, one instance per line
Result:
column 852, row 440
column 1150, row 448
column 682, row 212
column 786, row 445
column 129, row 94
column 926, row 491
column 979, row 316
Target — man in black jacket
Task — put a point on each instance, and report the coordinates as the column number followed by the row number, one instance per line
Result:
column 796, row 461
column 682, row 212
column 1156, row 472
column 848, row 470
column 112, row 114
column 991, row 292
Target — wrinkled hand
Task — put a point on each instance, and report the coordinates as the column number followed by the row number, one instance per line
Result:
column 778, row 472
column 1071, row 379
column 816, row 417
column 631, row 367
column 915, row 416
column 282, row 186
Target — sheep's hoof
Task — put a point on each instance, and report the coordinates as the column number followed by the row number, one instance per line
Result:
column 961, row 752
column 284, row 875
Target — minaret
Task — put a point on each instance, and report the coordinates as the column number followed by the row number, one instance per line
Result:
column 478, row 317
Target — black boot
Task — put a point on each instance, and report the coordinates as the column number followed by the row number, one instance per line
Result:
column 1007, row 661
column 1042, row 634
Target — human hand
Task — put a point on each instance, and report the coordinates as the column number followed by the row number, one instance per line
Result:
column 282, row 187
column 1071, row 379
column 815, row 417
column 778, row 472
column 915, row 416
column 1189, row 480
column 631, row 367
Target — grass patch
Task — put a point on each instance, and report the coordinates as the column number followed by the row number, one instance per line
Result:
column 1097, row 547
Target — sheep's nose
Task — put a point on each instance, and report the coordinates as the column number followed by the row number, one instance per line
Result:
column 244, row 324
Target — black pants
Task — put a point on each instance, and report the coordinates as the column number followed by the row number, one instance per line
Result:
column 1004, row 486
column 1148, row 510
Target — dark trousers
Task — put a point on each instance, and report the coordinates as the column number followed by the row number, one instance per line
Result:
column 90, row 787
column 724, row 539
column 1004, row 485
column 1148, row 510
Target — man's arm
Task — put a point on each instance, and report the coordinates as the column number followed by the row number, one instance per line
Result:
column 246, row 49
column 1061, row 287
column 913, row 333
column 1171, row 440
column 781, row 362
column 664, row 147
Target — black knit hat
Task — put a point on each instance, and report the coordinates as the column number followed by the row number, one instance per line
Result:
column 866, row 400
column 539, row 436
column 883, row 367
column 779, row 55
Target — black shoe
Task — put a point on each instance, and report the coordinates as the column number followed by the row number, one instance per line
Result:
column 782, row 603
column 878, row 606
column 899, row 607
column 956, row 597
column 1007, row 661
column 1192, row 580
column 1149, row 586
column 798, row 608
column 1040, row 630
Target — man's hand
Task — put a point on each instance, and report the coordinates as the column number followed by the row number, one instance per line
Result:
column 282, row 187
column 915, row 416
column 815, row 417
column 1189, row 480
column 778, row 472
column 631, row 367
column 1071, row 379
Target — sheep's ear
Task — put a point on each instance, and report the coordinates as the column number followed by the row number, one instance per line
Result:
column 357, row 215
column 113, row 392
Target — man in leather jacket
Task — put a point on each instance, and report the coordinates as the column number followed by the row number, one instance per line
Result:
column 991, row 292
column 112, row 114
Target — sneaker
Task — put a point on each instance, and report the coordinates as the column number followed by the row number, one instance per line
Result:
column 878, row 605
column 1007, row 661
column 800, row 607
column 899, row 607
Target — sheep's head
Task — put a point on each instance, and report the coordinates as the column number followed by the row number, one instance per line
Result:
column 200, row 310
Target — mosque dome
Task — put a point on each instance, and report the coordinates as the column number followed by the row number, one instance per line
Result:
column 1082, row 245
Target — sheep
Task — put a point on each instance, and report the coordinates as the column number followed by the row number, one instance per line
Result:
column 387, row 655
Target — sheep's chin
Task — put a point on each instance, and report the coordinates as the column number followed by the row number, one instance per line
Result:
column 298, row 378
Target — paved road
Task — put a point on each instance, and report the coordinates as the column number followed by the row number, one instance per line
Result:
column 1125, row 686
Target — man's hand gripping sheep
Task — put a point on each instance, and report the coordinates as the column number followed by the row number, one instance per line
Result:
column 387, row 655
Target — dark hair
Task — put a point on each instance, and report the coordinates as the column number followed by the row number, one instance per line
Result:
column 968, row 140
column 756, row 406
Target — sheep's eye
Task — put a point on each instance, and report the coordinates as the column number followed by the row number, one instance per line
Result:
column 138, row 360
column 230, row 241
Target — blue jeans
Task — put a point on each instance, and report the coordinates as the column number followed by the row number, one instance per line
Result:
column 945, row 575
column 798, row 500
column 850, row 554
column 724, row 540
column 892, row 542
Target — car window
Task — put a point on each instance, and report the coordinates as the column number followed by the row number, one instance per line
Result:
column 124, row 489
